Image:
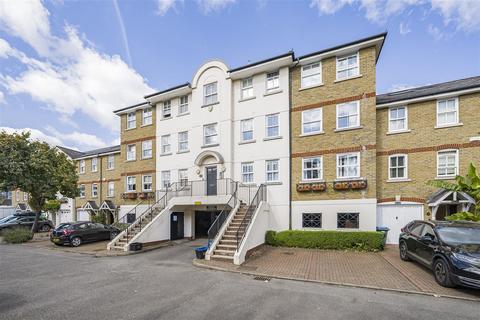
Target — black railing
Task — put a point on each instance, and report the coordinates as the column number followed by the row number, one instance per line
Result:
column 132, row 214
column 260, row 196
column 221, row 187
column 221, row 218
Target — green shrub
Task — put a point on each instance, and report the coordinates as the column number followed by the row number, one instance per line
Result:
column 336, row 240
column 270, row 237
column 121, row 226
column 99, row 218
column 17, row 235
column 463, row 216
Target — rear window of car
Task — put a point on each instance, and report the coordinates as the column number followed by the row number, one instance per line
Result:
column 63, row 226
column 456, row 235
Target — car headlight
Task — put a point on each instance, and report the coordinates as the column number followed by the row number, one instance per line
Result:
column 467, row 259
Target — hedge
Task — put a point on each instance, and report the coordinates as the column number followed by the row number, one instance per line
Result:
column 336, row 240
column 17, row 235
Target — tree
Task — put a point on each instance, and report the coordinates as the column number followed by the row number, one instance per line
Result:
column 36, row 168
column 469, row 184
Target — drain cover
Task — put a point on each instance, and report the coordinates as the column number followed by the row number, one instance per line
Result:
column 262, row 278
column 288, row 253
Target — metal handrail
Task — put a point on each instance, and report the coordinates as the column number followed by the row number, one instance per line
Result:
column 260, row 195
column 133, row 210
column 221, row 218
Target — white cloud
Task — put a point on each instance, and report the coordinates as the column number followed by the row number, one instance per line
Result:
column 2, row 97
column 163, row 6
column 71, row 76
column 84, row 140
column 404, row 28
column 400, row 87
column 465, row 14
column 209, row 6
column 435, row 32
column 35, row 135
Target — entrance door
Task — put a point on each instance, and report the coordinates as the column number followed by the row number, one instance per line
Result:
column 211, row 181
column 176, row 225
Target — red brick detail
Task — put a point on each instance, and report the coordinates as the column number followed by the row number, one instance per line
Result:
column 406, row 199
column 333, row 151
column 332, row 102
column 138, row 140
column 136, row 172
column 472, row 144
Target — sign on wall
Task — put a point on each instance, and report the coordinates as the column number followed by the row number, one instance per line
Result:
column 350, row 185
column 308, row 187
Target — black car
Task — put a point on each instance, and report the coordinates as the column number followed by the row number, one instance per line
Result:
column 451, row 249
column 76, row 233
column 25, row 221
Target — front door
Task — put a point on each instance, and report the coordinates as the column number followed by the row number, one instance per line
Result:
column 211, row 181
column 176, row 225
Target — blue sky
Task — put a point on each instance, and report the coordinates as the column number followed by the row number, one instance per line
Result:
column 66, row 65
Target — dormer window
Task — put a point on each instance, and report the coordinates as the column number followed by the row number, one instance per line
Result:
column 348, row 66
column 167, row 109
column 210, row 95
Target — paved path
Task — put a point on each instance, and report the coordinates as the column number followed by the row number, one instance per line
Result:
column 37, row 283
column 368, row 269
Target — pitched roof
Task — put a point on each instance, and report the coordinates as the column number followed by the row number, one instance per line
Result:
column 430, row 90
column 78, row 154
column 70, row 152
column 290, row 53
column 186, row 84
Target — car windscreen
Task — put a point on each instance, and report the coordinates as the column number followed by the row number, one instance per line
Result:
column 63, row 226
column 7, row 218
column 459, row 235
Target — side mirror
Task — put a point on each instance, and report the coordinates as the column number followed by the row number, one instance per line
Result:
column 427, row 239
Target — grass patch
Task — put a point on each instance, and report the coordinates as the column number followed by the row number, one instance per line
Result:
column 334, row 240
column 17, row 235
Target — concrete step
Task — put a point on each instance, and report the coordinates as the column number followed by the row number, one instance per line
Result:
column 227, row 247
column 221, row 257
column 228, row 242
column 116, row 248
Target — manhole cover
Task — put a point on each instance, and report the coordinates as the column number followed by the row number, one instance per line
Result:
column 288, row 253
column 262, row 278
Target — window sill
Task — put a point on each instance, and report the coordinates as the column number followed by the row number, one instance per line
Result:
column 348, row 129
column 273, row 183
column 210, row 104
column 128, row 129
column 312, row 181
column 147, row 190
column 111, row 169
column 272, row 138
column 165, row 154
column 146, row 125
column 210, row 145
column 249, row 183
column 472, row 139
column 398, row 132
column 445, row 178
column 183, row 114
column 110, row 196
column 246, row 99
column 449, row 125
column 349, row 179
column 247, row 142
column 169, row 118
column 311, row 87
column 94, row 171
column 269, row 93
column 312, row 134
column 183, row 151
column 398, row 180
column 350, row 78
column 148, row 158
column 131, row 160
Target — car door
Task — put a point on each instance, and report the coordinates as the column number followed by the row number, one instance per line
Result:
column 26, row 222
column 414, row 233
column 100, row 232
column 84, row 231
column 426, row 245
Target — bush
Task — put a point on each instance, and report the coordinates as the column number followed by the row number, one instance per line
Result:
column 336, row 240
column 99, row 218
column 17, row 235
column 121, row 226
column 463, row 216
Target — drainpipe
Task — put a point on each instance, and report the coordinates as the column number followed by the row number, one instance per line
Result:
column 290, row 146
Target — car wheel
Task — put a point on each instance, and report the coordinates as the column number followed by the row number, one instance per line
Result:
column 76, row 241
column 404, row 251
column 442, row 273
column 113, row 235
column 45, row 228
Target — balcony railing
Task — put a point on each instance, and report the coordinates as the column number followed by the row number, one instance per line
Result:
column 219, row 187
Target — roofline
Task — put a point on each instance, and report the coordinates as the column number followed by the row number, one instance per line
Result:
column 440, row 95
column 380, row 35
column 290, row 53
column 186, row 84
column 97, row 155
column 130, row 107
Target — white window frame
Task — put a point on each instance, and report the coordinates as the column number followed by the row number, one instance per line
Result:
column 147, row 116
column 307, row 71
column 243, row 131
column 349, row 154
column 272, row 82
column 457, row 112
column 405, row 167
column 309, row 122
column 246, row 88
column 164, row 180
column 94, row 190
column 205, row 136
column 94, row 164
column 457, row 163
column 247, row 173
column 25, row 196
column 267, row 126
column 81, row 191
column 272, row 171
column 131, row 120
column 183, row 180
column 145, row 148
column 183, row 105
column 130, row 153
column 182, row 142
column 357, row 124
column 319, row 169
column 111, row 189
column 144, row 183
column 212, row 95
column 17, row 195
column 166, row 144
column 110, row 162
column 167, row 109
column 134, row 184
column 81, row 167
column 346, row 68
column 390, row 120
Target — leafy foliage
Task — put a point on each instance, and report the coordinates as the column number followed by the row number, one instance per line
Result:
column 121, row 226
column 337, row 240
column 51, row 206
column 465, row 216
column 100, row 217
column 36, row 168
column 17, row 235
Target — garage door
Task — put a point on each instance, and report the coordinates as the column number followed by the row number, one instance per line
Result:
column 396, row 216
column 83, row 215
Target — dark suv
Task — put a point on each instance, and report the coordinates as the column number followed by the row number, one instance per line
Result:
column 451, row 249
column 25, row 221
column 76, row 233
